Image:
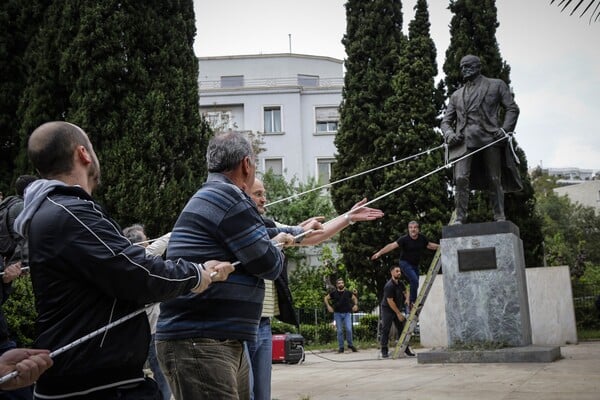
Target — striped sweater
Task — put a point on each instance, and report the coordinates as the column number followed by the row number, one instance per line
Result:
column 220, row 222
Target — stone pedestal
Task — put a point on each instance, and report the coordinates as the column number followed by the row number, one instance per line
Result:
column 485, row 287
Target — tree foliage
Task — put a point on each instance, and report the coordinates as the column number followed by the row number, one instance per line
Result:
column 296, row 209
column 128, row 76
column 20, row 313
column 571, row 231
column 389, row 111
column 590, row 7
column 373, row 43
column 473, row 31
column 18, row 23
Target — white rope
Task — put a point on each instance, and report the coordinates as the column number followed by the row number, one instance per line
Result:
column 24, row 269
column 354, row 176
column 83, row 339
column 447, row 165
column 214, row 273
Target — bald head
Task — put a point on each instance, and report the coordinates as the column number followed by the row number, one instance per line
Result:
column 50, row 147
column 259, row 195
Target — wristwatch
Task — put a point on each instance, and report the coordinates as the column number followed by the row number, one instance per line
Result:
column 350, row 222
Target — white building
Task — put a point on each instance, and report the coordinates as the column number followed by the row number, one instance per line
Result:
column 292, row 98
column 570, row 174
column 587, row 194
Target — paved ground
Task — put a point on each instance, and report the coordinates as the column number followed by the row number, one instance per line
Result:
column 363, row 376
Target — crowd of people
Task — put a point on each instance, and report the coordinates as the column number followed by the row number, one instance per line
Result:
column 223, row 277
column 223, row 257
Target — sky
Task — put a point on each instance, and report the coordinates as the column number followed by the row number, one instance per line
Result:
column 554, row 60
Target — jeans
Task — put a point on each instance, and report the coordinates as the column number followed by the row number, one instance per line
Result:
column 261, row 355
column 387, row 317
column 411, row 272
column 203, row 368
column 159, row 377
column 343, row 321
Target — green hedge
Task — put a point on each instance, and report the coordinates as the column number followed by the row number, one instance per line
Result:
column 587, row 317
column 366, row 330
column 19, row 311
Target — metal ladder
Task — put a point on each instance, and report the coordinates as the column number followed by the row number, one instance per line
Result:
column 413, row 318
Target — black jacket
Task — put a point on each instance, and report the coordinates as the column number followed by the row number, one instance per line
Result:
column 86, row 274
column 285, row 301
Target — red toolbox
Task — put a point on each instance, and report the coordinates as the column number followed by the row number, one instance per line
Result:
column 288, row 348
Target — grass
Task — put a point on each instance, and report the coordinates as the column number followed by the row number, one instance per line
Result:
column 588, row 334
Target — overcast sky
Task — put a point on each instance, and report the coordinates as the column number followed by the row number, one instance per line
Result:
column 554, row 60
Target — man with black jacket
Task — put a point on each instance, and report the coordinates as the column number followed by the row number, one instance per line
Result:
column 86, row 274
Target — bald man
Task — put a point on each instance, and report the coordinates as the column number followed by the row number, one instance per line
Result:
column 278, row 298
column 86, row 274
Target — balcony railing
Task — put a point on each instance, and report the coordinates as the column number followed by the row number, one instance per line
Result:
column 321, row 83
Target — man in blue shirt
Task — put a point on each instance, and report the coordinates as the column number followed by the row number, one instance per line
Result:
column 199, row 339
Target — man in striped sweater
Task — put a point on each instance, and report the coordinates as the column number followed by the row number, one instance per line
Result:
column 199, row 339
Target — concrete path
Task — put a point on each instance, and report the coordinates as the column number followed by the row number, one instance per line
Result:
column 362, row 376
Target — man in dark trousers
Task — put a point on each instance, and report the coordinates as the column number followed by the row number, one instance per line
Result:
column 412, row 246
column 344, row 303
column 394, row 297
column 472, row 121
column 85, row 274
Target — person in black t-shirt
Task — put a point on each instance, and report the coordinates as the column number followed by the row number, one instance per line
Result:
column 344, row 303
column 412, row 246
column 394, row 298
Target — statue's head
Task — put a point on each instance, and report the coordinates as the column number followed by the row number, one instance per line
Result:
column 470, row 67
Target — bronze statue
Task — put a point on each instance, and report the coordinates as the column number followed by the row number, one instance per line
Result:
column 471, row 121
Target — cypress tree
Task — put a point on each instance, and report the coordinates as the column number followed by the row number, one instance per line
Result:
column 415, row 109
column 373, row 43
column 473, row 31
column 128, row 76
column 18, row 24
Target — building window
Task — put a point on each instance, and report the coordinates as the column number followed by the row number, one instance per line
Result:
column 324, row 166
column 308, row 80
column 220, row 121
column 232, row 81
column 275, row 165
column 327, row 119
column 272, row 116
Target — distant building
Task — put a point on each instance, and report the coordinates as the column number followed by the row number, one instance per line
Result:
column 569, row 175
column 587, row 194
column 292, row 98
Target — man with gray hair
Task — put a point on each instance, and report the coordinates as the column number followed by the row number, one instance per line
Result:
column 472, row 121
column 199, row 339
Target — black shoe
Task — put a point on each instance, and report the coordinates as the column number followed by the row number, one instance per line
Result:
column 384, row 352
column 353, row 349
column 408, row 352
column 341, row 350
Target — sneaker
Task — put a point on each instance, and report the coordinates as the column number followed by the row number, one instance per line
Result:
column 384, row 352
column 340, row 350
column 353, row 349
column 408, row 352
